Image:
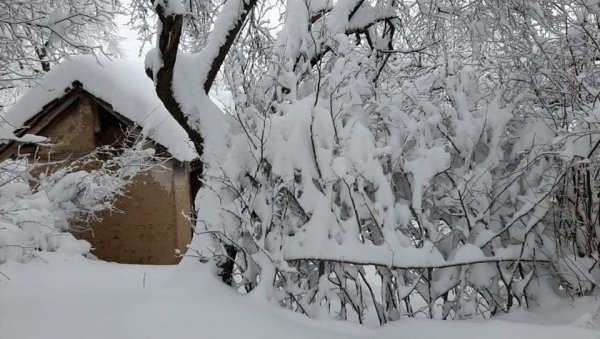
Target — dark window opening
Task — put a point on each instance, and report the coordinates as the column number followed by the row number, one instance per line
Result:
column 27, row 149
column 195, row 184
column 109, row 129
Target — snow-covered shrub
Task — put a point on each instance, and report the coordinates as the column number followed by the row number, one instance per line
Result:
column 366, row 187
column 389, row 159
column 42, row 203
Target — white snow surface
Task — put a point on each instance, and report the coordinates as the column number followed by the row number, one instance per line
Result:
column 121, row 83
column 70, row 297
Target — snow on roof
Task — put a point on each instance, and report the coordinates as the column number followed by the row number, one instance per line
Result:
column 121, row 83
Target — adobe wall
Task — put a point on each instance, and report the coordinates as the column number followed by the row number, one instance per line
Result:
column 152, row 225
column 72, row 135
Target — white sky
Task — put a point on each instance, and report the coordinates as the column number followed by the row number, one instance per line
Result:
column 130, row 46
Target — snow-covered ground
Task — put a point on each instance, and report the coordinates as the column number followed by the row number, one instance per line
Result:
column 61, row 297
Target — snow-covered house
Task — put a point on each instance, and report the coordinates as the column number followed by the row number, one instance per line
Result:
column 84, row 103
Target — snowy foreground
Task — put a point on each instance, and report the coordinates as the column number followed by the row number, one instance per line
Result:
column 71, row 297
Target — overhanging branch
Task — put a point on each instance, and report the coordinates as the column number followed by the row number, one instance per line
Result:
column 217, row 61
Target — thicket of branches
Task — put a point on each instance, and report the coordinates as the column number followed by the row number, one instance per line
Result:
column 386, row 159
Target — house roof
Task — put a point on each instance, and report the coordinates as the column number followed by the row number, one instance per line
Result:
column 120, row 83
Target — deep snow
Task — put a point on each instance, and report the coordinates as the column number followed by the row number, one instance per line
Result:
column 69, row 297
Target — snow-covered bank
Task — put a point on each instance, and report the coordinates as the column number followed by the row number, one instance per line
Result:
column 71, row 298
